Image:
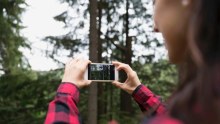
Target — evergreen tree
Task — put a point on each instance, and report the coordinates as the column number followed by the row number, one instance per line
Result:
column 11, row 59
column 17, row 102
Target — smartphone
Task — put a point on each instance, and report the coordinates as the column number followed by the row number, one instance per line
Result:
column 101, row 72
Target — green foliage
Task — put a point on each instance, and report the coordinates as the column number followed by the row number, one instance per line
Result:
column 24, row 94
column 25, row 97
column 63, row 43
column 10, row 39
column 160, row 76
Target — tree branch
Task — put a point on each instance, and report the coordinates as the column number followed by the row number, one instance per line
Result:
column 118, row 46
column 122, row 48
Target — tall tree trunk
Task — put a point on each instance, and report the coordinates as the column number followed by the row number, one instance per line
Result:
column 93, row 55
column 126, row 102
column 101, row 102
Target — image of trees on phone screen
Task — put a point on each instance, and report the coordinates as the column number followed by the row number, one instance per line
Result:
column 101, row 72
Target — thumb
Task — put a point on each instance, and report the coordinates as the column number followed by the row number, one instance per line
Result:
column 88, row 82
column 118, row 84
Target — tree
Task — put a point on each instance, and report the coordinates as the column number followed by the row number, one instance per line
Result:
column 11, row 59
column 17, row 80
column 93, row 55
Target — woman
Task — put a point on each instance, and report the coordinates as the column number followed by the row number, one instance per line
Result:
column 191, row 29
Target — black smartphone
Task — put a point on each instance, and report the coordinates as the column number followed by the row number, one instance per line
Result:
column 101, row 72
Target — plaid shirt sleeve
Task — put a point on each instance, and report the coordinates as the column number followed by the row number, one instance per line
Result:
column 149, row 103
column 63, row 109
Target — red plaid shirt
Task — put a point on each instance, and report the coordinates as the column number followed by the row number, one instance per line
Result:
column 63, row 109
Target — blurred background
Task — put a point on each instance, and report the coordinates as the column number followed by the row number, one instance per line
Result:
column 37, row 37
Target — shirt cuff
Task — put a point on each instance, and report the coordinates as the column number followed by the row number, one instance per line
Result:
column 141, row 94
column 70, row 89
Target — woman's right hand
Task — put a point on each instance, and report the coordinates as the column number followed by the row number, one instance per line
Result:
column 132, row 81
column 74, row 72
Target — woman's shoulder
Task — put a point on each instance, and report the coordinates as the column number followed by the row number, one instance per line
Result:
column 163, row 119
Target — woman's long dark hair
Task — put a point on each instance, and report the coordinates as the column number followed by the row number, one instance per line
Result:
column 197, row 98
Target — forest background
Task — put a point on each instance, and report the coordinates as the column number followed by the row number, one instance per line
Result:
column 104, row 30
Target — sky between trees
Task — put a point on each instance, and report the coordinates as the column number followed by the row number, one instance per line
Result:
column 39, row 22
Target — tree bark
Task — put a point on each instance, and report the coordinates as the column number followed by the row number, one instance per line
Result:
column 101, row 98
column 93, row 55
column 126, row 102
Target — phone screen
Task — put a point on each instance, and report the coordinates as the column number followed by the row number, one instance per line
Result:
column 101, row 72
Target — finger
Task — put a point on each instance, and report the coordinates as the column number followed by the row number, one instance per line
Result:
column 80, row 61
column 69, row 64
column 74, row 60
column 88, row 82
column 118, row 84
column 80, row 58
column 77, row 60
column 116, row 63
column 83, row 64
column 69, row 60
column 87, row 61
column 126, row 68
